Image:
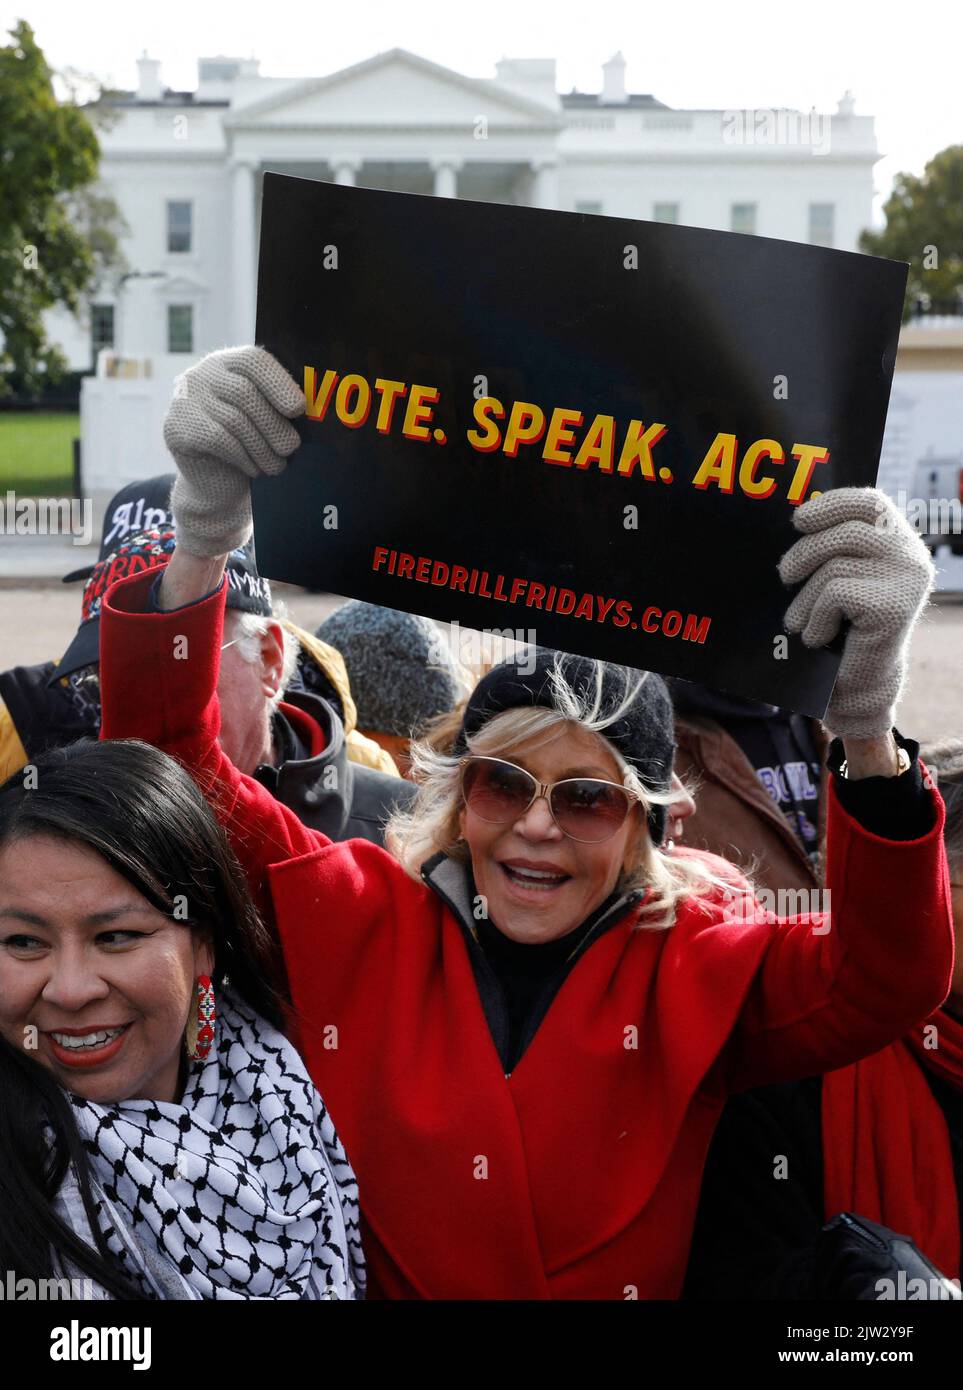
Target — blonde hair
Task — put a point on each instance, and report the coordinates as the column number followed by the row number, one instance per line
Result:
column 430, row 824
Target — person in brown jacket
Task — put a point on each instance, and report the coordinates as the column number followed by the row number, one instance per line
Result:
column 757, row 774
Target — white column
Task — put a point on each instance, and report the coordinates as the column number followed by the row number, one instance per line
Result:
column 446, row 177
column 244, row 269
column 545, row 184
column 346, row 171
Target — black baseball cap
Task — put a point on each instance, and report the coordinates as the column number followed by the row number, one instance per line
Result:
column 138, row 507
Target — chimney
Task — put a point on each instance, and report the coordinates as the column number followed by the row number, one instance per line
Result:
column 613, row 80
column 148, row 78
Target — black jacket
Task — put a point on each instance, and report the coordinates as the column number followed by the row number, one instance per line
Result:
column 328, row 792
column 759, row 1236
column 35, row 716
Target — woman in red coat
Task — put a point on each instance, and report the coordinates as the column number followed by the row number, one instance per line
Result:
column 527, row 1016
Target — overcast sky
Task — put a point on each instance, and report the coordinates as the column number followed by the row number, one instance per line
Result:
column 902, row 62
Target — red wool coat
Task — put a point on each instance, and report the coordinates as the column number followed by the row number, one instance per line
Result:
column 578, row 1175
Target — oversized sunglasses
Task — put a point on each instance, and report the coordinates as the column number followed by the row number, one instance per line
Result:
column 584, row 808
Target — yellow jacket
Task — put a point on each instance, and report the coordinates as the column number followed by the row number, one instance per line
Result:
column 13, row 755
column 361, row 749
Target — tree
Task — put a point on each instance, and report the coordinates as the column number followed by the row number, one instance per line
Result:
column 58, row 232
column 924, row 225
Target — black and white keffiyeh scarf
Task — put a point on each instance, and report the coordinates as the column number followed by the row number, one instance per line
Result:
column 242, row 1187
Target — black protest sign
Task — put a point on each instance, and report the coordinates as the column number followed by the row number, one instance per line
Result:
column 584, row 431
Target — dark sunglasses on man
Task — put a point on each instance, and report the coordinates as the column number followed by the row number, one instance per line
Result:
column 588, row 809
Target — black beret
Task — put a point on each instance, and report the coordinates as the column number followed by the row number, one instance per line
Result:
column 643, row 733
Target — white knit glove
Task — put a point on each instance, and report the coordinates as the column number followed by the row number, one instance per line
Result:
column 864, row 563
column 229, row 420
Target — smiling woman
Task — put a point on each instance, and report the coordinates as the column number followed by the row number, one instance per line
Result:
column 121, row 906
column 97, row 979
column 546, row 1007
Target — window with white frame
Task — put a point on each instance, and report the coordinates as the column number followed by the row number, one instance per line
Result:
column 180, row 225
column 822, row 223
column 665, row 212
column 180, row 328
column 588, row 206
column 742, row 217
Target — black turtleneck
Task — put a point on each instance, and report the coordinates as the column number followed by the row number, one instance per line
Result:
column 530, row 974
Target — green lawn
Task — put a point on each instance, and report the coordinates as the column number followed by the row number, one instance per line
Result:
column 36, row 452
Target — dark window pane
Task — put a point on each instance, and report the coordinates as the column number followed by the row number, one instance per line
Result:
column 101, row 327
column 180, row 328
column 179, row 226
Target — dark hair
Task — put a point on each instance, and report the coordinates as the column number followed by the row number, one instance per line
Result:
column 945, row 761
column 145, row 816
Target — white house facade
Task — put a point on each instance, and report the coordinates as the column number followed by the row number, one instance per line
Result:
column 185, row 170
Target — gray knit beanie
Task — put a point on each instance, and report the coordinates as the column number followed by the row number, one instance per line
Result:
column 400, row 668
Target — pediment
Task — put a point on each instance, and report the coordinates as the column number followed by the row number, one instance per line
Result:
column 395, row 89
column 179, row 285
